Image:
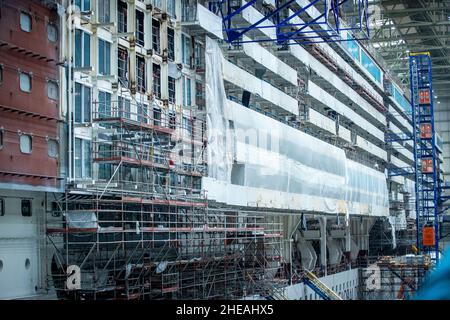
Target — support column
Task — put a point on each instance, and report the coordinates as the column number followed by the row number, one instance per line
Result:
column 323, row 243
column 348, row 240
column 164, row 50
column 131, row 28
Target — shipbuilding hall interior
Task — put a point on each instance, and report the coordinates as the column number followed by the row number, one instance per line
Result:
column 228, row 149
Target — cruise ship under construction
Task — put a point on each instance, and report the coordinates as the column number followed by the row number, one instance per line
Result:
column 233, row 149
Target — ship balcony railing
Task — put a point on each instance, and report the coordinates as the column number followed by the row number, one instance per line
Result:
column 125, row 150
column 203, row 17
column 167, row 189
column 138, row 154
column 145, row 115
column 190, row 12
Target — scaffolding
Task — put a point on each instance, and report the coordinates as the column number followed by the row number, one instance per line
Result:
column 425, row 155
column 390, row 278
column 144, row 229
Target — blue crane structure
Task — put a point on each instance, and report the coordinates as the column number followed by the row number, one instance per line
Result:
column 427, row 183
column 286, row 23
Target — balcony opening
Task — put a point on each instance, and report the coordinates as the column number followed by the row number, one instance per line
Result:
column 104, row 57
column 156, row 36
column 104, row 13
column 140, row 28
column 122, row 63
column 26, row 210
column 157, row 81
column 171, row 44
column 199, row 55
column 186, row 50
column 140, row 74
column 172, row 92
column 122, row 17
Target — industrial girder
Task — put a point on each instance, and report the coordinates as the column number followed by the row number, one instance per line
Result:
column 295, row 21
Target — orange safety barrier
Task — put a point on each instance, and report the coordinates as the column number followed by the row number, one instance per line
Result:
column 424, row 96
column 425, row 130
column 428, row 236
column 427, row 165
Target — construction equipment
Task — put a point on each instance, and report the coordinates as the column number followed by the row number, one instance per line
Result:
column 319, row 287
column 425, row 155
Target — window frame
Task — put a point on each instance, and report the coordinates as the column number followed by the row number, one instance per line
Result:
column 56, row 143
column 2, row 207
column 156, row 36
column 157, row 116
column 104, row 11
column 82, row 5
column 171, row 44
column 85, row 38
column 84, row 110
column 2, row 138
column 156, row 84
column 22, row 14
column 172, row 87
column 186, row 43
column 140, row 28
column 104, row 99
column 31, row 143
column 188, row 92
column 171, row 8
column 20, row 81
column 141, row 83
column 122, row 16
column 83, row 144
column 52, row 25
column 124, row 108
column 22, row 202
column 104, row 68
column 122, row 64
column 54, row 82
column 142, row 112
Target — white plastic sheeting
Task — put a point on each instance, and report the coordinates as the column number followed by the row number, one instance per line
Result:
column 219, row 147
column 366, row 189
column 274, row 156
column 82, row 220
column 251, row 153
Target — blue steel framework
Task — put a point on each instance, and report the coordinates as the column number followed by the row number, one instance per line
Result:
column 425, row 153
column 328, row 21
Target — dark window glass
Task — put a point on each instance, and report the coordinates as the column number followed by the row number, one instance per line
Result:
column 26, row 208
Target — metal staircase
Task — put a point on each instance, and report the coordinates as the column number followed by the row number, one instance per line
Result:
column 319, row 287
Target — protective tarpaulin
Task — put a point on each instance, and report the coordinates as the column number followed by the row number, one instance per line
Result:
column 274, row 156
column 253, row 153
column 82, row 220
column 219, row 149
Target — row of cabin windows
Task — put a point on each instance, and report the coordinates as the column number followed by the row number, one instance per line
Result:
column 83, row 53
column 26, row 144
column 27, row 25
column 142, row 114
column 26, row 84
column 122, row 18
column 83, row 97
column 25, row 206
